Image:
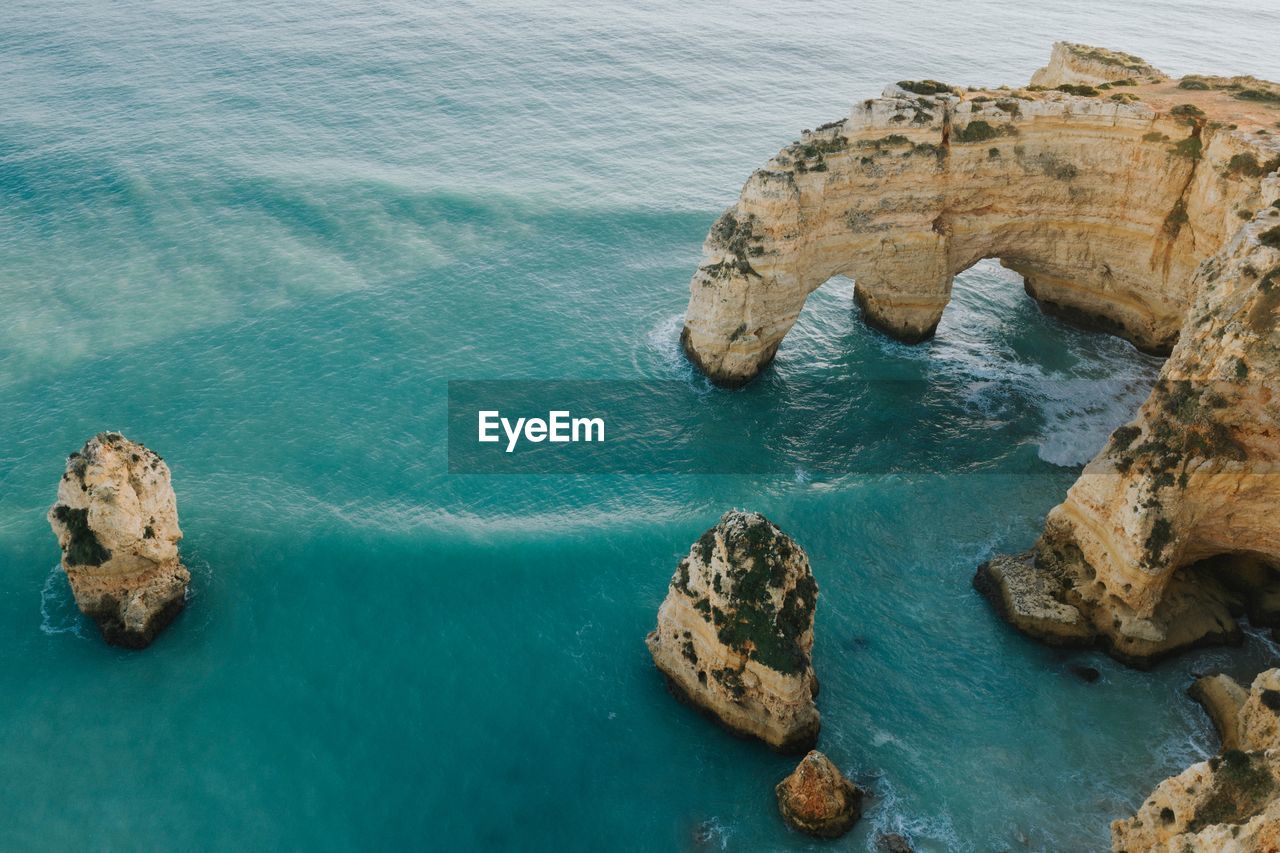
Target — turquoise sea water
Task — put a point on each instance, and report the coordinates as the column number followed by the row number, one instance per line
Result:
column 261, row 238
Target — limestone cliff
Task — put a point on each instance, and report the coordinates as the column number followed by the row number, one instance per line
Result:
column 1082, row 64
column 1230, row 802
column 116, row 519
column 735, row 632
column 1140, row 205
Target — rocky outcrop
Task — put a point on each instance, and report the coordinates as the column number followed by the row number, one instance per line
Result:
column 1222, row 698
column 1085, row 65
column 1143, row 206
column 1230, row 802
column 116, row 519
column 817, row 799
column 1039, row 596
column 735, row 632
column 1027, row 599
column 892, row 842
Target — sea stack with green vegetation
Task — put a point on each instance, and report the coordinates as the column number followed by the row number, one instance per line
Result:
column 735, row 632
column 1130, row 202
column 116, row 519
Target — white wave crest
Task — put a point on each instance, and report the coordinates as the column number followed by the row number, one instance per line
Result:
column 58, row 611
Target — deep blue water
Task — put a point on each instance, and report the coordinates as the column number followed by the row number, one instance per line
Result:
column 261, row 238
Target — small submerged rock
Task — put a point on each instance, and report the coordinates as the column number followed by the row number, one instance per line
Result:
column 1087, row 674
column 892, row 842
column 116, row 519
column 735, row 632
column 817, row 798
column 708, row 834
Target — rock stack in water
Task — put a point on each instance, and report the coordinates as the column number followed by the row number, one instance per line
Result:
column 817, row 799
column 1231, row 801
column 735, row 632
column 116, row 519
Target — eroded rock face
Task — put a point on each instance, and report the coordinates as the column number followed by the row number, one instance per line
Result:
column 1082, row 64
column 1143, row 206
column 116, row 519
column 1106, row 204
column 817, row 799
column 735, row 632
column 1230, row 802
column 1170, row 532
column 1222, row 698
column 1041, row 596
column 1029, row 600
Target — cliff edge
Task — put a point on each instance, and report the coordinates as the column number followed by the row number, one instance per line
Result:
column 1230, row 802
column 1130, row 202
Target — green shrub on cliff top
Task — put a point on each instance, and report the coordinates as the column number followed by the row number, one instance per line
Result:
column 925, row 87
column 1248, row 165
column 1264, row 95
column 1125, row 436
column 750, row 623
column 1078, row 89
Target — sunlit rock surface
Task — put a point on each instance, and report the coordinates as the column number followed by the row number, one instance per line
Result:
column 735, row 633
column 1230, row 802
column 1129, row 202
column 116, row 519
column 817, row 799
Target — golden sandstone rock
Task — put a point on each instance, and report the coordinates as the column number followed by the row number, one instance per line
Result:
column 1140, row 205
column 735, row 633
column 817, row 799
column 116, row 519
column 1222, row 698
column 1082, row 64
column 1230, row 802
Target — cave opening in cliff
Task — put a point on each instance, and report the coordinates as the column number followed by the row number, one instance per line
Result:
column 1247, row 582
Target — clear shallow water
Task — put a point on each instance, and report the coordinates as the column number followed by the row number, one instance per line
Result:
column 262, row 239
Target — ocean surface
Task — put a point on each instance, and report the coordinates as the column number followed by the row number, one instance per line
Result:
column 262, row 237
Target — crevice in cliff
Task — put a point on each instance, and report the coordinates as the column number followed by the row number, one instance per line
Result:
column 1177, row 218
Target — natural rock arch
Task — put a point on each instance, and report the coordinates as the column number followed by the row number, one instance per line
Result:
column 1138, row 204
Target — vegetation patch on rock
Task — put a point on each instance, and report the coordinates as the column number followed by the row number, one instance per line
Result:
column 926, row 87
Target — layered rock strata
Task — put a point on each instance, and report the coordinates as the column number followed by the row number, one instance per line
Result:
column 817, row 799
column 1085, row 65
column 1230, row 802
column 735, row 633
column 1141, row 205
column 116, row 519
